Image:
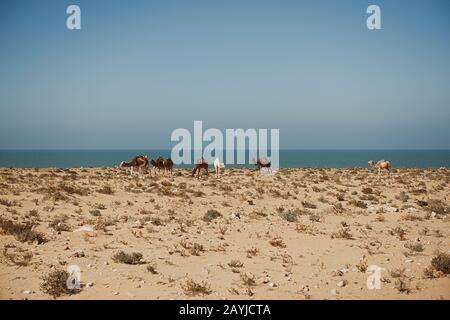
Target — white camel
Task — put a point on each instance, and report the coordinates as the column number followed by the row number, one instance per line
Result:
column 217, row 166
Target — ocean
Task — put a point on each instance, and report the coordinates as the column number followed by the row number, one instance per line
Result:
column 288, row 158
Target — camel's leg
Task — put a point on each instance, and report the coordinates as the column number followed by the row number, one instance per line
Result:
column 131, row 171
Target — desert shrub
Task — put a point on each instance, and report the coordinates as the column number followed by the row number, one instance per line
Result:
column 8, row 203
column 438, row 207
column 58, row 223
column 414, row 246
column 403, row 285
column 289, row 216
column 235, row 264
column 211, row 214
column 55, row 283
column 192, row 288
column 17, row 256
column 106, row 189
column 399, row 232
column 441, row 262
column 342, row 233
column 358, row 204
column 128, row 258
column 308, row 205
column 23, row 232
column 248, row 279
column 151, row 267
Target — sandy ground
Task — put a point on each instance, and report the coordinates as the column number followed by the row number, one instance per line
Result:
column 300, row 234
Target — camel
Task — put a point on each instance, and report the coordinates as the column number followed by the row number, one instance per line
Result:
column 168, row 165
column 380, row 165
column 139, row 161
column 217, row 166
column 201, row 164
column 158, row 163
column 161, row 164
column 262, row 163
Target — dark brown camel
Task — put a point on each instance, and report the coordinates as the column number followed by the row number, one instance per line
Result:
column 168, row 165
column 158, row 163
column 262, row 163
column 201, row 164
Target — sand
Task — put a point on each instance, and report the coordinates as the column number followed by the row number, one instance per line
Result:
column 300, row 234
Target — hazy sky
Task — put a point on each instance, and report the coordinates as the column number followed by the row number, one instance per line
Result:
column 139, row 69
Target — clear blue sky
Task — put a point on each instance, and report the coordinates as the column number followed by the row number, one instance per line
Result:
column 139, row 69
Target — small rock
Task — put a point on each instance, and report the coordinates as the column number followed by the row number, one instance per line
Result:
column 89, row 284
column 342, row 283
column 85, row 228
column 27, row 292
column 272, row 285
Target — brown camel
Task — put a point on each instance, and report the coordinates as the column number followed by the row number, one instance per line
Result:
column 139, row 161
column 168, row 165
column 201, row 164
column 158, row 163
column 380, row 165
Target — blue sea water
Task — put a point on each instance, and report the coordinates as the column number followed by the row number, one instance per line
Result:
column 288, row 158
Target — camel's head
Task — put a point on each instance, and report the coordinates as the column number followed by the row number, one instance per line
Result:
column 222, row 165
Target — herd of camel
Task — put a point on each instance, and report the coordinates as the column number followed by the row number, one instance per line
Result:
column 166, row 165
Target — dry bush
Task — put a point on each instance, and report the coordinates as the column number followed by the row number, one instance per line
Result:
column 151, row 267
column 17, row 256
column 289, row 216
column 314, row 217
column 194, row 248
column 399, row 232
column 397, row 273
column 8, row 203
column 403, row 285
column 362, row 265
column 55, row 284
column 192, row 288
column 438, row 207
column 23, row 232
column 277, row 242
column 211, row 214
column 128, row 258
column 308, row 229
column 414, row 246
column 252, row 252
column 342, row 233
column 358, row 204
column 412, row 217
column 403, row 196
column 58, row 223
column 248, row 279
column 106, row 189
column 308, row 205
column 235, row 264
column 441, row 263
